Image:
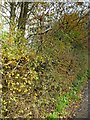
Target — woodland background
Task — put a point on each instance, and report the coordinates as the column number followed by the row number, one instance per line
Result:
column 44, row 58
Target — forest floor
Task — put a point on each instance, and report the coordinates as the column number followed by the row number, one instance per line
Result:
column 82, row 110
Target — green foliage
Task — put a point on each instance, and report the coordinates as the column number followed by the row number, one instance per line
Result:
column 64, row 101
column 53, row 116
column 88, row 73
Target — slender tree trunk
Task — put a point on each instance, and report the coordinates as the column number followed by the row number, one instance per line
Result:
column 23, row 17
column 12, row 16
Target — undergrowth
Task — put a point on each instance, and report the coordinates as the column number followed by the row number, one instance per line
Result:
column 65, row 100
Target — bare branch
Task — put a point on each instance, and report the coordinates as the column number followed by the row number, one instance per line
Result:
column 5, row 17
column 49, row 29
column 4, row 7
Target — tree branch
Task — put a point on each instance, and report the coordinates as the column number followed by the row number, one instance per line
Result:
column 49, row 29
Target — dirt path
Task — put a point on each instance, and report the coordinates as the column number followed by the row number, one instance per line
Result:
column 82, row 111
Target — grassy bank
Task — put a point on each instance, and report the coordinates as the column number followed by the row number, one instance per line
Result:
column 73, row 96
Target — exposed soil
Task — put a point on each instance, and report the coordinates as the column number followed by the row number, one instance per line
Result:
column 82, row 111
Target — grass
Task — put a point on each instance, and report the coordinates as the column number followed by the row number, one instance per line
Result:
column 66, row 100
column 69, row 97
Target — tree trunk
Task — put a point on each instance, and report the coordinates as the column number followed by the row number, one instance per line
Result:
column 12, row 15
column 23, row 17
